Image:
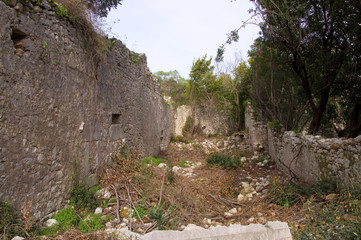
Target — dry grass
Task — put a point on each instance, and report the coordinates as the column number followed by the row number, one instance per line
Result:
column 209, row 194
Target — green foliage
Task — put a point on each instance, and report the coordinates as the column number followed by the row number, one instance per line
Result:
column 102, row 7
column 136, row 57
column 185, row 163
column 338, row 217
column 61, row 11
column 180, row 139
column 66, row 218
column 172, row 84
column 83, row 198
column 225, row 161
column 8, row 220
column 153, row 160
column 203, row 86
column 162, row 217
column 286, row 195
column 45, row 44
column 275, row 125
column 91, row 223
column 142, row 212
column 289, row 194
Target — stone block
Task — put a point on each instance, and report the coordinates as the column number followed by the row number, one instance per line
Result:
column 116, row 132
column 270, row 231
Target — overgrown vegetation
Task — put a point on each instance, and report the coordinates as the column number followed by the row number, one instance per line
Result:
column 329, row 212
column 225, row 161
column 153, row 161
column 83, row 198
column 303, row 68
column 10, row 224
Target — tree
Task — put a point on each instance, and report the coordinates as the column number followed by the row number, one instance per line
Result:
column 102, row 7
column 236, row 89
column 172, row 84
column 273, row 86
column 203, row 85
column 318, row 35
column 320, row 40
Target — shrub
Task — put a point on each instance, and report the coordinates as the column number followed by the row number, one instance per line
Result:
column 225, row 161
column 8, row 220
column 338, row 218
column 153, row 160
column 83, row 198
column 142, row 212
column 92, row 223
column 286, row 195
column 66, row 218
column 275, row 125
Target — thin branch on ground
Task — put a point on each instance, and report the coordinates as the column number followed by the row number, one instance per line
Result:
column 117, row 196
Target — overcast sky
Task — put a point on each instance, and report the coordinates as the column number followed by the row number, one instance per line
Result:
column 174, row 33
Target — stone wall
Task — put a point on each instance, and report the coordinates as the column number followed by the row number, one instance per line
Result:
column 64, row 110
column 313, row 158
column 209, row 119
column 308, row 158
column 258, row 131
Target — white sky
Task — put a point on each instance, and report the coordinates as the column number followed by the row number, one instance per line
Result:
column 174, row 33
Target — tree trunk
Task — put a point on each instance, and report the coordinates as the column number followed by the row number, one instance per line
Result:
column 318, row 112
column 355, row 125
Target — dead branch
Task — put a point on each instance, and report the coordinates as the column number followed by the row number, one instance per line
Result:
column 151, row 227
column 116, row 195
column 130, row 205
column 161, row 189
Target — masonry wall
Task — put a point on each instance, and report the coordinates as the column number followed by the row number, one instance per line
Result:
column 309, row 158
column 209, row 119
column 62, row 111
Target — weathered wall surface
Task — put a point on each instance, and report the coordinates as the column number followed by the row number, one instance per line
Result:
column 258, row 131
column 211, row 121
column 313, row 158
column 309, row 158
column 61, row 111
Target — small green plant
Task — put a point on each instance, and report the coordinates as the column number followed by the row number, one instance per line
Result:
column 91, row 223
column 45, row 44
column 142, row 212
column 8, row 220
column 153, row 160
column 286, row 195
column 83, row 198
column 66, row 218
column 54, row 63
column 162, row 217
column 338, row 217
column 61, row 11
column 225, row 161
column 185, row 163
column 136, row 57
column 275, row 125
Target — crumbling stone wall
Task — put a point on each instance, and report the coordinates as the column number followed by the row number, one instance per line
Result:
column 210, row 120
column 63, row 112
column 313, row 158
column 308, row 158
column 257, row 136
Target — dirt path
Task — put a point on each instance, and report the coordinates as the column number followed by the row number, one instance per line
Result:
column 220, row 196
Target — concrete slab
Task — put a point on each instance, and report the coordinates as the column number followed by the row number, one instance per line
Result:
column 270, row 231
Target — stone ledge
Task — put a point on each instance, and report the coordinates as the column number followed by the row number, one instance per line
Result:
column 270, row 231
